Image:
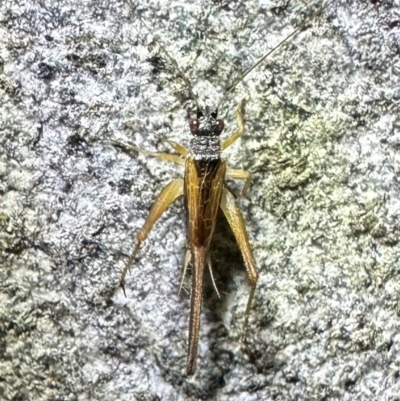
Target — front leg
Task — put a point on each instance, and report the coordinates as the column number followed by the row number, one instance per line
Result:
column 178, row 159
column 240, row 122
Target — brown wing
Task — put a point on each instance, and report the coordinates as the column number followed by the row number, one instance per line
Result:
column 203, row 186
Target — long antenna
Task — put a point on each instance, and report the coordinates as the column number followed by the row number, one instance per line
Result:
column 178, row 71
column 240, row 79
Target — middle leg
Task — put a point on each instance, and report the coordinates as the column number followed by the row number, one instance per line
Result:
column 241, row 175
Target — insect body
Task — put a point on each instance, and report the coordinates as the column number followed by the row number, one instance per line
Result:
column 204, row 191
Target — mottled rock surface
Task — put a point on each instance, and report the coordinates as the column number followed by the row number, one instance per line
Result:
column 322, row 142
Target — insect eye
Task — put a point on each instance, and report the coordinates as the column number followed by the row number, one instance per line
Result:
column 214, row 114
column 221, row 125
column 193, row 125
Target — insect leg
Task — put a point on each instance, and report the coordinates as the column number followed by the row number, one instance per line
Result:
column 242, row 175
column 235, row 220
column 160, row 155
column 176, row 146
column 212, row 276
column 240, row 122
column 172, row 191
column 188, row 258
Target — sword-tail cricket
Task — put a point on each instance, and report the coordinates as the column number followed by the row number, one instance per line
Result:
column 204, row 190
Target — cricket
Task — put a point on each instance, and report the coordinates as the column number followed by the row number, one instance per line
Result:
column 204, row 191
